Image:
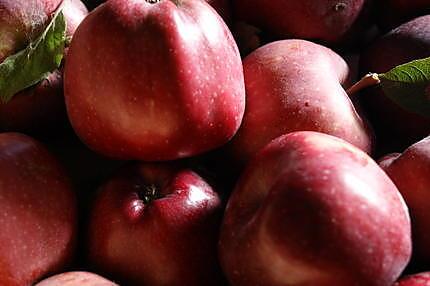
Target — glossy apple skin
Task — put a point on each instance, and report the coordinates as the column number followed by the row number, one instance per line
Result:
column 409, row 171
column 40, row 108
column 168, row 241
column 392, row 13
column 38, row 212
column 77, row 278
column 420, row 279
column 295, row 85
column 395, row 128
column 167, row 81
column 311, row 209
column 329, row 21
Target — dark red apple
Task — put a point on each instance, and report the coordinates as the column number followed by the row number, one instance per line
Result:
column 76, row 279
column 38, row 212
column 166, row 81
column 312, row 209
column 420, row 279
column 395, row 127
column 329, row 21
column 39, row 107
column 410, row 172
column 392, row 13
column 156, row 225
column 295, row 85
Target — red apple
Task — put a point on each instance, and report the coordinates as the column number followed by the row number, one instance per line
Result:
column 77, row 278
column 329, row 21
column 38, row 212
column 155, row 225
column 295, row 85
column 420, row 279
column 410, row 172
column 41, row 106
column 392, row 13
column 395, row 127
column 312, row 209
column 166, row 81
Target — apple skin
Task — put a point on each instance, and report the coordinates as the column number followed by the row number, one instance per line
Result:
column 136, row 240
column 392, row 13
column 171, row 99
column 395, row 127
column 312, row 209
column 38, row 218
column 295, row 85
column 409, row 171
column 40, row 108
column 77, row 278
column 420, row 279
column 329, row 21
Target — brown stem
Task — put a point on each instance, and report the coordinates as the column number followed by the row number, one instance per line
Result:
column 369, row 79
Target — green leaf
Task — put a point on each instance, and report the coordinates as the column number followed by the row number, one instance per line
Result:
column 36, row 61
column 408, row 85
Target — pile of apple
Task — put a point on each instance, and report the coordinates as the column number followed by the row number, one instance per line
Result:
column 218, row 142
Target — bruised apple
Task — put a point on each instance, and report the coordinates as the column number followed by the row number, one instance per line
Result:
column 154, row 80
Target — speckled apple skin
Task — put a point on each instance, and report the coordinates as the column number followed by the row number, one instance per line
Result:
column 395, row 127
column 296, row 85
column 154, row 81
column 168, row 241
column 312, row 210
column 420, row 279
column 39, row 108
column 410, row 172
column 76, row 278
column 329, row 21
column 38, row 212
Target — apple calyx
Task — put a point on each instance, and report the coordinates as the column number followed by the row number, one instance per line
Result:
column 149, row 193
column 134, row 206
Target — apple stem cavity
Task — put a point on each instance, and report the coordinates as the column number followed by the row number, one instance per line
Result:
column 370, row 79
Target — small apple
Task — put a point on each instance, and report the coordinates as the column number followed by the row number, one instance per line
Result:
column 153, row 224
column 166, row 81
column 395, row 127
column 312, row 209
column 38, row 218
column 328, row 21
column 420, row 279
column 77, row 278
column 295, row 85
column 410, row 172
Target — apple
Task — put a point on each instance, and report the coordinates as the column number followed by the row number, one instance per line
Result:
column 392, row 13
column 40, row 108
column 38, row 218
column 76, row 278
column 395, row 127
column 166, row 81
column 154, row 224
column 409, row 171
column 420, row 279
column 312, row 209
column 328, row 21
column 295, row 85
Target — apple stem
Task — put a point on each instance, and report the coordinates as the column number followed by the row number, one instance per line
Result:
column 368, row 80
